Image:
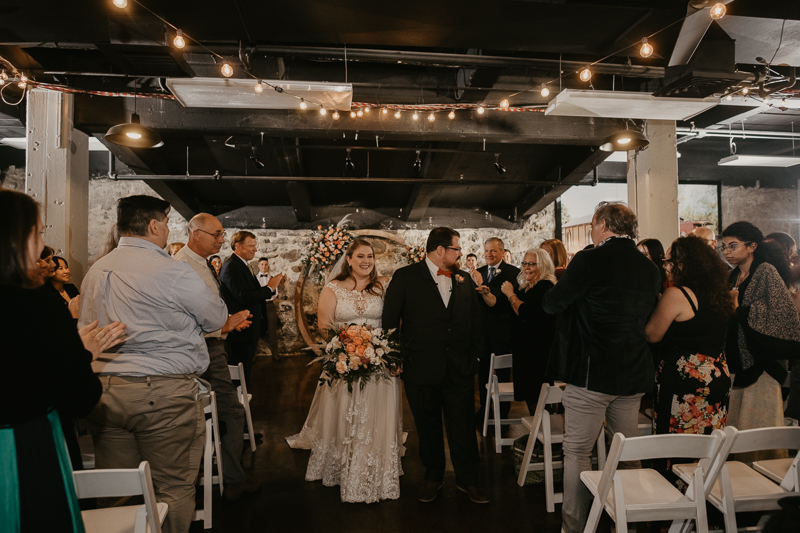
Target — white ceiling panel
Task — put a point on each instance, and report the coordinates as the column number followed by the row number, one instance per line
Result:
column 619, row 104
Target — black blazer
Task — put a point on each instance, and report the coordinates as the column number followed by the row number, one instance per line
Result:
column 497, row 320
column 437, row 341
column 605, row 298
column 241, row 290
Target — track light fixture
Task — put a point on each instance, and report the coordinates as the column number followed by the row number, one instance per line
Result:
column 624, row 140
column 718, row 11
column 499, row 168
column 256, row 161
column 647, row 49
column 417, row 163
column 348, row 162
column 133, row 135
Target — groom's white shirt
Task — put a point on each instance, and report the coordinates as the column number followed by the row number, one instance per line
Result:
column 444, row 283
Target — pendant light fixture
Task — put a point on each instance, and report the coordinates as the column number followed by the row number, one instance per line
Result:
column 624, row 140
column 132, row 134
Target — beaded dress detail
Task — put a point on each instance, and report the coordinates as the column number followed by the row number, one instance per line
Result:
column 356, row 439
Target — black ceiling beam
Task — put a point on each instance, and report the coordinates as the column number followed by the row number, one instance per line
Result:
column 301, row 200
column 371, row 179
column 419, row 201
column 176, row 200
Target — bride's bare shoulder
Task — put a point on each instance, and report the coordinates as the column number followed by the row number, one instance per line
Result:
column 346, row 284
column 383, row 280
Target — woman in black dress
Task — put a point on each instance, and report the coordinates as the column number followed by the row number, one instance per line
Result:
column 60, row 289
column 40, row 382
column 534, row 330
column 688, row 327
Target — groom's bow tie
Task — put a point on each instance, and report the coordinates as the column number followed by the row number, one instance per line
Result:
column 444, row 273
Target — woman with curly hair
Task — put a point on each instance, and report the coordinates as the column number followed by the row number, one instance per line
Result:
column 689, row 323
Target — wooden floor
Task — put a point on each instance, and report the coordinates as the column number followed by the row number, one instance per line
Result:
column 282, row 394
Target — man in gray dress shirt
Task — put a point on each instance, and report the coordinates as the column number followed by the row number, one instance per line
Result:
column 206, row 236
column 149, row 407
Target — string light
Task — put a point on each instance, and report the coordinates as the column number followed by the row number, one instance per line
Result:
column 179, row 41
column 415, row 116
column 586, row 74
column 745, row 90
column 226, row 70
column 718, row 11
column 647, row 49
column 397, row 114
column 431, row 117
column 23, row 80
column 303, row 104
column 384, row 111
column 545, row 90
column 323, row 111
column 366, row 110
column 3, row 76
column 335, row 115
column 259, row 88
column 360, row 113
column 451, row 115
column 481, row 110
column 122, row 4
column 352, row 114
column 504, row 104
column 729, row 97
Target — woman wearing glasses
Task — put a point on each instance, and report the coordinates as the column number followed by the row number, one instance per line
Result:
column 766, row 328
column 533, row 332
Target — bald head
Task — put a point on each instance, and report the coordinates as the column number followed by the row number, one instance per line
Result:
column 707, row 234
column 206, row 235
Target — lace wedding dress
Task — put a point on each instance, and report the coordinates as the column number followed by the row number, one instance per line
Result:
column 356, row 439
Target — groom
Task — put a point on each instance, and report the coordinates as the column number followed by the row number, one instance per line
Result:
column 434, row 304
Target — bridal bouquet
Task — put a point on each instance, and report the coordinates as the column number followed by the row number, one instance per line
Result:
column 357, row 353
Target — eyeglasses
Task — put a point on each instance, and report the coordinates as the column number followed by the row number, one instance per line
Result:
column 733, row 246
column 216, row 235
column 525, row 263
column 453, row 248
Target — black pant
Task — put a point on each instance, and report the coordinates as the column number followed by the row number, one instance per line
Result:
column 497, row 346
column 243, row 352
column 456, row 400
column 269, row 328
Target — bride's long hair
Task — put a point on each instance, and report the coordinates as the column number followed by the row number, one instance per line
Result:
column 374, row 286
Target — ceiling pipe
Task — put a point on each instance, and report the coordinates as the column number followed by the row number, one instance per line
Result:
column 767, row 89
column 360, row 179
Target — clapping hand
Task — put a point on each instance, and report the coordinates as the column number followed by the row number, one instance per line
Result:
column 274, row 281
column 483, row 290
column 236, row 321
column 97, row 340
column 507, row 288
column 74, row 306
column 476, row 277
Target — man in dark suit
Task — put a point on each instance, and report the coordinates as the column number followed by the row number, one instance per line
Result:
column 600, row 350
column 441, row 338
column 497, row 319
column 242, row 291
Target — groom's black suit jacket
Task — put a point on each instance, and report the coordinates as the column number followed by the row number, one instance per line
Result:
column 436, row 340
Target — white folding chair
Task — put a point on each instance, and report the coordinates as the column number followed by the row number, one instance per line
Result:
column 775, row 469
column 237, row 374
column 740, row 488
column 549, row 429
column 119, row 482
column 643, row 495
column 211, row 451
column 497, row 392
column 86, row 444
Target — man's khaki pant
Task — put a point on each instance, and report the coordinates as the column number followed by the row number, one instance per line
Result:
column 156, row 419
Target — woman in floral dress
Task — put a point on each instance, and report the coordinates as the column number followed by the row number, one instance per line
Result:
column 688, row 325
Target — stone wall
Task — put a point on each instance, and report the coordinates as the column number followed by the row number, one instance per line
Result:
column 769, row 209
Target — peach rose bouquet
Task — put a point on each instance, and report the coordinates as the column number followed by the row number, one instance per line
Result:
column 358, row 353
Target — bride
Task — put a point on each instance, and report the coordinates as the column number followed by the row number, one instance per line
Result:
column 356, row 439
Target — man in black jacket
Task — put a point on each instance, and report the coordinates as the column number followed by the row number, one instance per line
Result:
column 600, row 350
column 242, row 291
column 441, row 340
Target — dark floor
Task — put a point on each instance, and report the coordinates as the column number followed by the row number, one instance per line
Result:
column 282, row 394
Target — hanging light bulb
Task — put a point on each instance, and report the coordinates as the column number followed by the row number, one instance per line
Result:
column 745, row 90
column 431, row 117
column 767, row 99
column 384, row 111
column 451, row 115
column 366, row 109
column 3, row 77
column 352, row 114
column 323, row 111
column 647, row 49
column 481, row 110
column 122, row 4
column 504, row 104
column 303, row 104
column 360, row 113
column 335, row 115
column 729, row 97
column 545, row 90
column 226, row 70
column 23, row 80
column 415, row 116
column 259, row 88
column 586, row 74
column 397, row 114
column 718, row 11
column 179, row 41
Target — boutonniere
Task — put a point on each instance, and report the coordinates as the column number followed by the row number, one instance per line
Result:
column 459, row 279
column 497, row 271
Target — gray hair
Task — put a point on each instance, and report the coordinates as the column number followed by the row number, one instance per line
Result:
column 544, row 262
column 498, row 240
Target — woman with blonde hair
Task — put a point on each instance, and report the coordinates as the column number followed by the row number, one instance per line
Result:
column 555, row 248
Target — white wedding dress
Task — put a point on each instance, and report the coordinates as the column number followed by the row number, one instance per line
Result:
column 356, row 439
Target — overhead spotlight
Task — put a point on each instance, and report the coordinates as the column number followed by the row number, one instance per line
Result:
column 647, row 49
column 122, row 4
column 384, row 111
column 256, row 161
column 499, row 168
column 179, row 41
column 303, row 104
column 323, row 111
column 417, row 163
column 431, row 117
column 504, row 104
column 134, row 135
column 259, row 88
column 366, row 109
column 481, row 110
column 585, row 75
column 226, row 70
column 352, row 114
column 624, row 140
column 545, row 90
column 335, row 115
column 451, row 115
column 360, row 113
column 718, row 11
column 415, row 116
column 397, row 114
column 348, row 162
column 745, row 90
